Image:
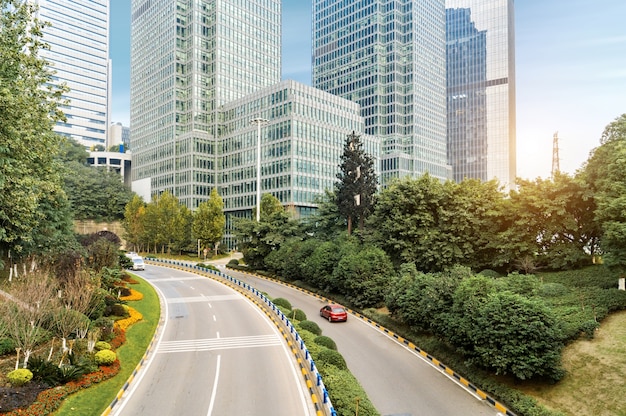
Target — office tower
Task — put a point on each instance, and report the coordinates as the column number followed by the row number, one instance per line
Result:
column 79, row 53
column 188, row 59
column 302, row 141
column 389, row 56
column 481, row 89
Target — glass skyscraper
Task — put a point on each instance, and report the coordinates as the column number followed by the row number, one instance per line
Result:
column 390, row 57
column 188, row 59
column 201, row 72
column 481, row 89
column 79, row 53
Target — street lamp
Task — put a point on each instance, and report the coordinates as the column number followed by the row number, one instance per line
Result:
column 258, row 121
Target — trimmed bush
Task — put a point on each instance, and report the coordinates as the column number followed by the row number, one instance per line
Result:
column 298, row 315
column 102, row 345
column 105, row 357
column 20, row 376
column 282, row 302
column 285, row 311
column 331, row 357
column 343, row 388
column 311, row 327
column 325, row 342
column 233, row 262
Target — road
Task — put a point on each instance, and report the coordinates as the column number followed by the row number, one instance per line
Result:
column 398, row 381
column 216, row 354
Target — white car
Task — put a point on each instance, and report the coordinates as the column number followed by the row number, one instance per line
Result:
column 138, row 263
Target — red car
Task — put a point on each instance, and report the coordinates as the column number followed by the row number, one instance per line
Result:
column 334, row 313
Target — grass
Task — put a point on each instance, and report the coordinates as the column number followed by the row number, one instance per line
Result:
column 596, row 370
column 95, row 400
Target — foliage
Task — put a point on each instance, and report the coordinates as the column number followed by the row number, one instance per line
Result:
column 346, row 394
column 95, row 193
column 325, row 341
column 332, row 357
column 297, row 315
column 514, row 334
column 258, row 239
column 282, row 302
column 44, row 370
column 362, row 276
column 133, row 222
column 102, row 254
column 232, row 262
column 436, row 225
column 105, row 357
column 102, row 345
column 20, row 376
column 30, row 100
column 311, row 326
column 356, row 182
column 326, row 222
column 209, row 221
column 605, row 175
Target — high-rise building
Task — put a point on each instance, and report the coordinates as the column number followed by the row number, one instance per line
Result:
column 188, row 59
column 303, row 134
column 481, row 89
column 78, row 36
column 390, row 57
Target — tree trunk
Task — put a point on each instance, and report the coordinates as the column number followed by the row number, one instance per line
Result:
column 349, row 225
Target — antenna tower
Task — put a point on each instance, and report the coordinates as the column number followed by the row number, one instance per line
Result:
column 555, row 154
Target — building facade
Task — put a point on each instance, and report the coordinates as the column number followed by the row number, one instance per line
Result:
column 188, row 59
column 480, row 49
column 390, row 57
column 78, row 36
column 301, row 143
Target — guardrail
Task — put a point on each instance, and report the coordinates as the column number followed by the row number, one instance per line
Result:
column 313, row 379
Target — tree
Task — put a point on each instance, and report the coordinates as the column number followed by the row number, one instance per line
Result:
column 29, row 104
column 95, row 193
column 605, row 174
column 357, row 182
column 257, row 239
column 209, row 221
column 133, row 223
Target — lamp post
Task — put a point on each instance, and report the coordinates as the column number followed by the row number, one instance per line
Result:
column 258, row 121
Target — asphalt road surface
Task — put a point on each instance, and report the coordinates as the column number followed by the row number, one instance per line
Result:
column 398, row 381
column 217, row 354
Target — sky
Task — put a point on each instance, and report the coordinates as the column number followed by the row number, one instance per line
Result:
column 570, row 63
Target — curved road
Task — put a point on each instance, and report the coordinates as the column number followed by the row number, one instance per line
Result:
column 398, row 381
column 217, row 354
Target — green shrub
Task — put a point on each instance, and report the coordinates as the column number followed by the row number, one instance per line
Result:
column 552, row 290
column 331, row 357
column 20, row 376
column 105, row 357
column 297, row 315
column 102, row 345
column 6, row 346
column 233, row 262
column 325, row 342
column 343, row 389
column 69, row 372
column 285, row 311
column 282, row 302
column 44, row 370
column 311, row 327
column 490, row 273
column 116, row 310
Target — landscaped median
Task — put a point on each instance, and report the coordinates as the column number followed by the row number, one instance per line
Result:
column 139, row 329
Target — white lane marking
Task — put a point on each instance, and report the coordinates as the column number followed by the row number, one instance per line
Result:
column 214, row 318
column 204, row 298
column 214, row 391
column 212, row 344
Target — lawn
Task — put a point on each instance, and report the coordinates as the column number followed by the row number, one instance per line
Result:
column 95, row 400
